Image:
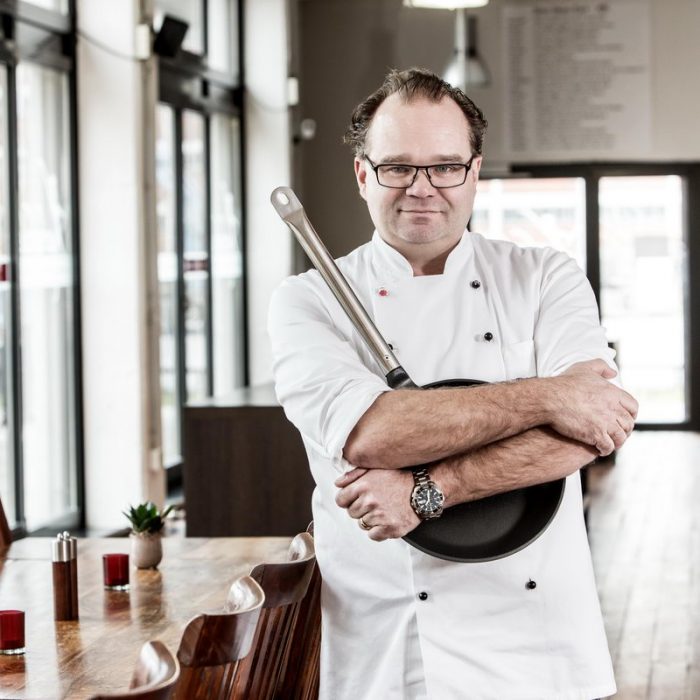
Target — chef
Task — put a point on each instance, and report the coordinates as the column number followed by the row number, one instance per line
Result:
column 396, row 622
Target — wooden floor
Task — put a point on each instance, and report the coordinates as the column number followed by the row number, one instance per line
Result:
column 644, row 527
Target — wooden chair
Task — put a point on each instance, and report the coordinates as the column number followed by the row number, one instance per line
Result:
column 5, row 532
column 212, row 644
column 261, row 674
column 300, row 677
column 155, row 675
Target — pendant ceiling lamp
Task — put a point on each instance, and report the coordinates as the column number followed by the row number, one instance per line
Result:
column 466, row 69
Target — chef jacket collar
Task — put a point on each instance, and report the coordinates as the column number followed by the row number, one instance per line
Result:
column 389, row 261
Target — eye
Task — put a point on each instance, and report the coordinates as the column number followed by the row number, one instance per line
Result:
column 446, row 169
column 396, row 169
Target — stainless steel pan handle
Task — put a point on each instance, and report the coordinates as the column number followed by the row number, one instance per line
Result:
column 288, row 206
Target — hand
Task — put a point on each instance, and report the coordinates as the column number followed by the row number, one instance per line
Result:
column 588, row 408
column 382, row 498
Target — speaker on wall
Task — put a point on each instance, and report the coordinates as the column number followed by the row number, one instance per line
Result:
column 170, row 36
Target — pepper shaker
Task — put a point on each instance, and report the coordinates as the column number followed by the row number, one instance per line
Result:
column 65, row 577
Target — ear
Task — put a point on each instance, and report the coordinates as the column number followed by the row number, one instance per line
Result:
column 361, row 176
column 475, row 169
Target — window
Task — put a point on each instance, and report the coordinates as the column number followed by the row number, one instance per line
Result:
column 200, row 228
column 40, row 417
column 54, row 5
column 7, row 467
column 195, row 255
column 213, row 31
column 168, row 283
column 227, row 254
column 190, row 11
column 627, row 227
column 643, row 272
column 46, row 295
column 534, row 212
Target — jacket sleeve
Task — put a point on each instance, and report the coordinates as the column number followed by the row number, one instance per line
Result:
column 567, row 327
column 320, row 378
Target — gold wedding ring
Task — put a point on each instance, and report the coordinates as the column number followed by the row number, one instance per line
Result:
column 364, row 525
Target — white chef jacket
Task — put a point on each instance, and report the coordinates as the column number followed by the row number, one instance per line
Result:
column 481, row 633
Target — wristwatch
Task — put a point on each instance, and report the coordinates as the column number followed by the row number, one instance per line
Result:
column 426, row 498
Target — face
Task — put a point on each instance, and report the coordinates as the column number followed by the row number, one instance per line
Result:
column 420, row 132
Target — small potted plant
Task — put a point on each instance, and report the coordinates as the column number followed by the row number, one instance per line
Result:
column 146, row 534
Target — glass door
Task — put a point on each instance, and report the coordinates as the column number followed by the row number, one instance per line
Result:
column 644, row 276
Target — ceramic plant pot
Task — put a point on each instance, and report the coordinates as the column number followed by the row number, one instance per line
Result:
column 146, row 549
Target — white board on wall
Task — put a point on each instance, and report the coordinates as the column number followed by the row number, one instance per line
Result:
column 577, row 79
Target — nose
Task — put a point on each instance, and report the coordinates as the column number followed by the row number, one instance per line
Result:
column 421, row 186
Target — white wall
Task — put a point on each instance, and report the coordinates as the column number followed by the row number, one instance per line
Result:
column 117, row 272
column 268, row 165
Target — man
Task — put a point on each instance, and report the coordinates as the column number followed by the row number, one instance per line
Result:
column 398, row 623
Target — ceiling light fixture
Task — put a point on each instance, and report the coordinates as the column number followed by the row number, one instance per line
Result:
column 445, row 4
column 466, row 69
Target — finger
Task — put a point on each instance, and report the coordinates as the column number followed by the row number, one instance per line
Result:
column 605, row 446
column 629, row 403
column 346, row 496
column 602, row 368
column 358, row 510
column 608, row 372
column 626, row 424
column 618, row 437
column 349, row 477
column 377, row 534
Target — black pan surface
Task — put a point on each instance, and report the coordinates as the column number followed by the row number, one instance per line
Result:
column 490, row 528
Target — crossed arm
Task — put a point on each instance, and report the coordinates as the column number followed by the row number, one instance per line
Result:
column 514, row 435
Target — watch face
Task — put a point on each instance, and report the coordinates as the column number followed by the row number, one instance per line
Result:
column 428, row 500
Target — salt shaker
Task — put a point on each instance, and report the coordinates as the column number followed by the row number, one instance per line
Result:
column 65, row 577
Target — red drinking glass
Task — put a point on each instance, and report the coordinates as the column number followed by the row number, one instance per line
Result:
column 116, row 571
column 11, row 632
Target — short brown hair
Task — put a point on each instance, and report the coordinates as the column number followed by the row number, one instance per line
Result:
column 412, row 83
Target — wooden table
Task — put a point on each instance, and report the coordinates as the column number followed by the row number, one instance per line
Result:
column 97, row 653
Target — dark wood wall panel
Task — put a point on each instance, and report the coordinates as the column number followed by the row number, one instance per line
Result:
column 245, row 472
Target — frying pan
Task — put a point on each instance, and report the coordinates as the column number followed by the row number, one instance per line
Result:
column 483, row 530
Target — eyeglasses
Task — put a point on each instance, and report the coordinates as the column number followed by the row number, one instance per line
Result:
column 440, row 175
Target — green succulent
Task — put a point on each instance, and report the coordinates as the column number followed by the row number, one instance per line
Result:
column 146, row 517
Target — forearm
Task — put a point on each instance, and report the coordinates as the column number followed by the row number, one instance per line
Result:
column 409, row 427
column 534, row 457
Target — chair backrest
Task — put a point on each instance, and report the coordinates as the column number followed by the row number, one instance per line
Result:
column 155, row 675
column 286, row 585
column 212, row 644
column 300, row 677
column 5, row 532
